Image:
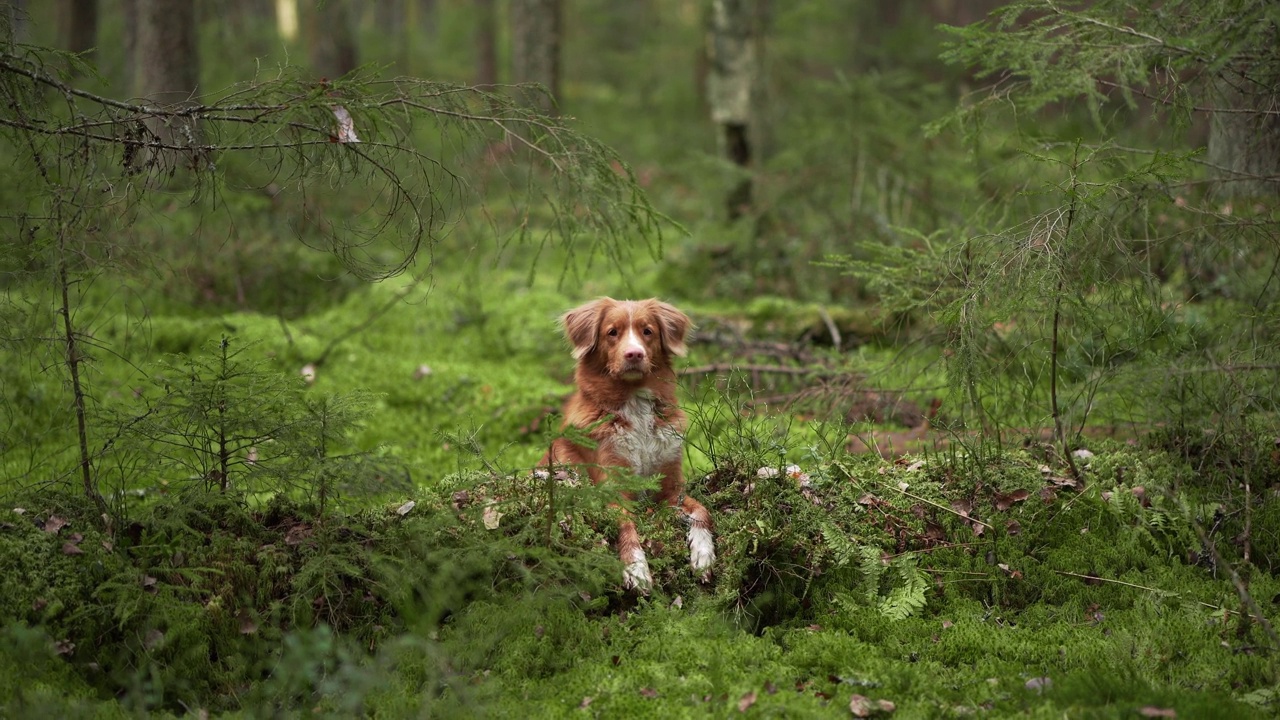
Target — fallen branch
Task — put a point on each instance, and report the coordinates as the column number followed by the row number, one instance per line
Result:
column 773, row 369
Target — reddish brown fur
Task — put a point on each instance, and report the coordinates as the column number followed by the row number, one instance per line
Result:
column 613, row 376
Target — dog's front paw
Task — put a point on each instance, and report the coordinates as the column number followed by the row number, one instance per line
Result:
column 702, row 551
column 636, row 575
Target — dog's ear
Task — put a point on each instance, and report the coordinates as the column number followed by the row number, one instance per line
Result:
column 582, row 326
column 675, row 327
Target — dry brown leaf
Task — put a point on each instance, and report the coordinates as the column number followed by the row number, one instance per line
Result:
column 859, row 705
column 747, row 701
column 492, row 517
column 1152, row 711
column 70, row 548
column 648, row 692
column 54, row 524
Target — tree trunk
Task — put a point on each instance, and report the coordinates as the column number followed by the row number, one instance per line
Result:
column 78, row 25
column 287, row 20
column 1244, row 131
column 18, row 21
column 536, row 27
column 331, row 35
column 731, row 52
column 167, row 69
column 486, row 42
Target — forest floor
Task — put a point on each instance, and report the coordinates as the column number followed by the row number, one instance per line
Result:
column 950, row 577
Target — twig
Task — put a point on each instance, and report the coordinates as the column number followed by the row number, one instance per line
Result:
column 1136, row 586
column 776, row 369
column 831, row 327
column 927, row 501
column 366, row 323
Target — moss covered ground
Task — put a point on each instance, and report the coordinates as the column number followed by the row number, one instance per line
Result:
column 982, row 581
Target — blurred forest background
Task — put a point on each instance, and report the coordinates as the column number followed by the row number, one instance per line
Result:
column 279, row 285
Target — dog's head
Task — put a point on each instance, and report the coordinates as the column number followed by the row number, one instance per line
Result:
column 624, row 338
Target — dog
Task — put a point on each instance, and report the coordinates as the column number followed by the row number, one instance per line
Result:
column 625, row 399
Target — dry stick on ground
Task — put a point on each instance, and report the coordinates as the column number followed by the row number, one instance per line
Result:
column 773, row 369
column 1136, row 586
column 913, row 496
column 1246, row 598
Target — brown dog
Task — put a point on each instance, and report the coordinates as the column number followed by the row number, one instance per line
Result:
column 626, row 395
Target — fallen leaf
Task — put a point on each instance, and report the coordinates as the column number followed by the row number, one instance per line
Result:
column 1013, row 527
column 1005, row 501
column 64, row 647
column 947, row 624
column 886, row 706
column 69, row 548
column 1048, row 495
column 964, row 507
column 747, row 701
column 492, row 517
column 770, row 688
column 421, row 372
column 1151, row 711
column 859, row 705
column 586, row 702
column 247, row 625
column 405, row 508
column 461, row 499
column 308, row 373
column 1063, row 481
column 648, row 692
column 678, row 602
column 54, row 524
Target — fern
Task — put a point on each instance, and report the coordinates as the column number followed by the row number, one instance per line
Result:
column 908, row 597
column 842, row 549
column 872, row 568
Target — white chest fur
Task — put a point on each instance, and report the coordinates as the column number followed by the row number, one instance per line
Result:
column 645, row 443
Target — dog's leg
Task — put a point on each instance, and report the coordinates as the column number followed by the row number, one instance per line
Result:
column 702, row 549
column 635, row 566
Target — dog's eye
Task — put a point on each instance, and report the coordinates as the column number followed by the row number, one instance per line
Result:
column 647, row 331
column 613, row 332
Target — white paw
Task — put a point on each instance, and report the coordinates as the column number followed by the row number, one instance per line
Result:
column 635, row 576
column 702, row 549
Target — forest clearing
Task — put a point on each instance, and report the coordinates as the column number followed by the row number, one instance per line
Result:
column 973, row 325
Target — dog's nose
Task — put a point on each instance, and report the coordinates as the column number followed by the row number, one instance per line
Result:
column 634, row 353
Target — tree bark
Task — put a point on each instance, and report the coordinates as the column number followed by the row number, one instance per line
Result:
column 486, row 42
column 331, row 34
column 167, row 66
column 1244, row 130
column 18, row 20
column 536, row 29
column 78, row 25
column 731, row 52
